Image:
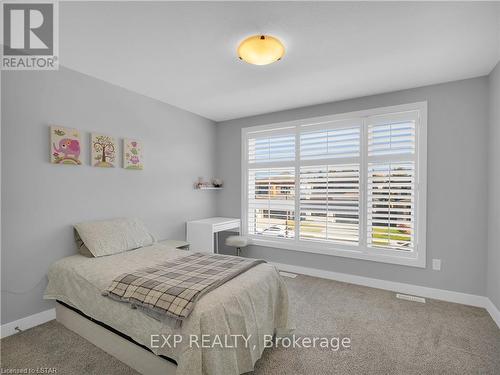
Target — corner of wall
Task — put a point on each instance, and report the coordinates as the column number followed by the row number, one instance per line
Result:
column 493, row 253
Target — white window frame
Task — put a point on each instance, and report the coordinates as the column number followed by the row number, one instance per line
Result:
column 417, row 258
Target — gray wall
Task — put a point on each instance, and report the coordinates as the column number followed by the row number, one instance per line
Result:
column 40, row 201
column 493, row 283
column 457, row 188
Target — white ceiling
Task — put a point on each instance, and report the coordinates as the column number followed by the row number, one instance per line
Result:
column 184, row 53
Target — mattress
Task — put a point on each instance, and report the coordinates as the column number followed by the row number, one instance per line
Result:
column 254, row 303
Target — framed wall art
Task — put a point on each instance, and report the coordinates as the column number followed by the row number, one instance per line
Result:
column 103, row 151
column 132, row 154
column 65, row 146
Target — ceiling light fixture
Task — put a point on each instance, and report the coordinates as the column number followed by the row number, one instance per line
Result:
column 261, row 50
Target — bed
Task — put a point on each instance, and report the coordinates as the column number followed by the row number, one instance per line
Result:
column 253, row 303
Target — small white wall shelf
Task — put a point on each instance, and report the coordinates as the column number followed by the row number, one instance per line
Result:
column 208, row 188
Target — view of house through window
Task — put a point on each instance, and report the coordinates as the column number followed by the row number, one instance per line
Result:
column 272, row 197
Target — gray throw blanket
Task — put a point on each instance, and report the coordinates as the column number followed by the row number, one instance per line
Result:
column 172, row 288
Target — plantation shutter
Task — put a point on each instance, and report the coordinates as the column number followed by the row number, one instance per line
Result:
column 391, row 181
column 329, row 203
column 330, row 183
column 271, row 184
column 348, row 185
column 271, row 148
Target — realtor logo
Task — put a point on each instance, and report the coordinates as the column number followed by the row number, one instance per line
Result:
column 30, row 36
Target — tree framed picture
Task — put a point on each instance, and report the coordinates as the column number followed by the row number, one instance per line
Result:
column 104, row 150
column 132, row 154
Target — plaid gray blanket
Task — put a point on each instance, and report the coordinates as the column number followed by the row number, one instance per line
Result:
column 172, row 288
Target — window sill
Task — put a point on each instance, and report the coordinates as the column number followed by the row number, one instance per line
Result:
column 388, row 256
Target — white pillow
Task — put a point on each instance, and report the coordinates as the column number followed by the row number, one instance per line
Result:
column 112, row 236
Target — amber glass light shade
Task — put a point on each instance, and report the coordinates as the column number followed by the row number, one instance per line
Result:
column 261, row 50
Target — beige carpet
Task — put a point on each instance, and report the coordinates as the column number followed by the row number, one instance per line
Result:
column 389, row 336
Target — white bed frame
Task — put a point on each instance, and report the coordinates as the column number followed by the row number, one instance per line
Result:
column 122, row 349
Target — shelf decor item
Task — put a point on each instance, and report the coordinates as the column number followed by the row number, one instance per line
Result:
column 104, row 149
column 216, row 184
column 132, row 154
column 199, row 184
column 65, row 146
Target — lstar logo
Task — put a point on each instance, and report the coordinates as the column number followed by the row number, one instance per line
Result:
column 30, row 36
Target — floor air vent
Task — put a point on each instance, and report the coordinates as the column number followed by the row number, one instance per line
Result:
column 410, row 298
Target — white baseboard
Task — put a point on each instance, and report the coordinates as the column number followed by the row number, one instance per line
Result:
column 28, row 322
column 439, row 294
column 494, row 312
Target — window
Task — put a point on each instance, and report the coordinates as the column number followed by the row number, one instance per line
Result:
column 347, row 185
column 271, row 202
column 329, row 203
